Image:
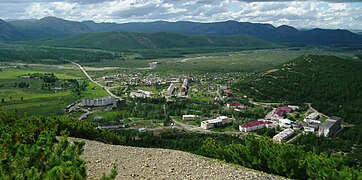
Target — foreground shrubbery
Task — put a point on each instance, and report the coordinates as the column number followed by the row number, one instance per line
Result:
column 30, row 150
column 281, row 159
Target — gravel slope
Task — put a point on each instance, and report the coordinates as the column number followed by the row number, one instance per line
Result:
column 149, row 163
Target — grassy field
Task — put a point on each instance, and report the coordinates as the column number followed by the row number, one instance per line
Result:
column 93, row 91
column 38, row 100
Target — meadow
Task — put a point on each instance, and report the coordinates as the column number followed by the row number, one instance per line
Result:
column 35, row 99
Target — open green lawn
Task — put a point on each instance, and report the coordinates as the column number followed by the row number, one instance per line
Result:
column 94, row 91
column 35, row 99
column 245, row 61
column 7, row 73
column 107, row 116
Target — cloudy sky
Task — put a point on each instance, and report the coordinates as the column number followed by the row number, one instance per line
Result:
column 344, row 14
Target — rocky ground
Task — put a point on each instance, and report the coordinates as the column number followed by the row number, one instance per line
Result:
column 147, row 163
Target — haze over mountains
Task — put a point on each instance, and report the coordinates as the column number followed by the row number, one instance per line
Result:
column 52, row 27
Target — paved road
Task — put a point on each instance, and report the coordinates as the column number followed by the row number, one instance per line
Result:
column 107, row 89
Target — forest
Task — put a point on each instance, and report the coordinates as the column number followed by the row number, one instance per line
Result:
column 51, row 55
column 330, row 84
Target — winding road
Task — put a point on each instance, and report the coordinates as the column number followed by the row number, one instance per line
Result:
column 107, row 89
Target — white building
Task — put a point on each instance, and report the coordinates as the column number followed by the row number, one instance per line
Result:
column 189, row 117
column 286, row 123
column 98, row 101
column 312, row 118
column 330, row 126
column 141, row 94
column 171, row 89
column 252, row 126
column 235, row 105
column 282, row 136
column 104, row 101
column 212, row 123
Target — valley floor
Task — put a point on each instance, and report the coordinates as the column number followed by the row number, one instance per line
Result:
column 149, row 163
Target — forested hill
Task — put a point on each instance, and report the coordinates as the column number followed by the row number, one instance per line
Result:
column 128, row 41
column 8, row 32
column 333, row 85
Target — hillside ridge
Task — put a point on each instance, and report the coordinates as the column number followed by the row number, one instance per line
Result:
column 152, row 163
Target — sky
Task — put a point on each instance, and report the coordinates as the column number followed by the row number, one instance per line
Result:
column 333, row 14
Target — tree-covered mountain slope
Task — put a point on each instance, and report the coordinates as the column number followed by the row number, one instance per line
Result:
column 333, row 85
column 129, row 41
column 8, row 32
column 49, row 27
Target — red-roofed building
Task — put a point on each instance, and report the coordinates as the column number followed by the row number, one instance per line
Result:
column 235, row 105
column 229, row 92
column 280, row 112
column 255, row 125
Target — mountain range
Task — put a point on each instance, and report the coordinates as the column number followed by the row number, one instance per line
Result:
column 52, row 27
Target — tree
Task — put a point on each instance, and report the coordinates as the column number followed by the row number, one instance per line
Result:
column 2, row 100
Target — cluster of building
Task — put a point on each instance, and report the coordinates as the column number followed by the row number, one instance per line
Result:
column 312, row 123
column 141, row 94
column 104, row 101
column 212, row 123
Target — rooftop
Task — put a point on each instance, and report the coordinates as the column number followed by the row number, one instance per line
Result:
column 255, row 123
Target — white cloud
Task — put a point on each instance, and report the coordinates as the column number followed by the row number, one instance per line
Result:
column 301, row 14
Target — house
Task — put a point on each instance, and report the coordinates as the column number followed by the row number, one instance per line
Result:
column 312, row 118
column 189, row 117
column 281, row 112
column 282, row 136
column 255, row 125
column 294, row 108
column 141, row 94
column 310, row 128
column 142, row 130
column 228, row 92
column 212, row 123
column 183, row 91
column 111, row 126
column 235, row 105
column 287, row 123
column 330, row 126
column 108, row 77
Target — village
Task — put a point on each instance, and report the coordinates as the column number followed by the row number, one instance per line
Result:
column 287, row 121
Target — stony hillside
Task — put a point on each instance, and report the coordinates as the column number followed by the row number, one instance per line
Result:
column 146, row 163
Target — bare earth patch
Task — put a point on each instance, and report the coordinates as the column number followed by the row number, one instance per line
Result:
column 150, row 163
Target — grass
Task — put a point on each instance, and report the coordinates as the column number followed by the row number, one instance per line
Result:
column 120, row 63
column 35, row 99
column 245, row 61
column 107, row 116
column 94, row 91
